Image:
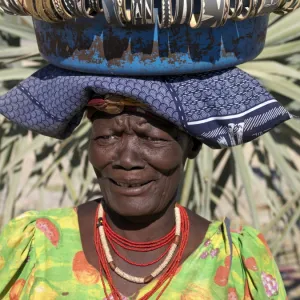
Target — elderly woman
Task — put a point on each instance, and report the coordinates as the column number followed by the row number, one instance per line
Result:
column 136, row 242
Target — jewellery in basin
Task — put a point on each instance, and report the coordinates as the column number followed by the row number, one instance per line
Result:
column 183, row 11
column 165, row 19
column 215, row 13
column 268, row 6
column 196, row 19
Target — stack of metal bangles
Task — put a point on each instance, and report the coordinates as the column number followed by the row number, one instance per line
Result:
column 196, row 13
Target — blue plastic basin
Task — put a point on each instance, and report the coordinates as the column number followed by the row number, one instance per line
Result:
column 91, row 45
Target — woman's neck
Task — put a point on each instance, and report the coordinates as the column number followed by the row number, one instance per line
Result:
column 144, row 229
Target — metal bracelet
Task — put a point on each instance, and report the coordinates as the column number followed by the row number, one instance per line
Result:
column 165, row 17
column 98, row 6
column 238, row 7
column 256, row 6
column 142, row 12
column 48, row 8
column 148, row 12
column 183, row 11
column 280, row 6
column 136, row 12
column 213, row 13
column 77, row 8
column 92, row 4
column 42, row 12
column 60, row 10
column 29, row 5
column 4, row 5
column 19, row 4
column 86, row 11
column 14, row 6
column 289, row 7
column 226, row 13
column 121, row 11
column 69, row 6
column 268, row 6
column 197, row 18
column 111, row 16
column 245, row 12
column 95, row 6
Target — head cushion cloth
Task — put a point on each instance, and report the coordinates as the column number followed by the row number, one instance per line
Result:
column 222, row 109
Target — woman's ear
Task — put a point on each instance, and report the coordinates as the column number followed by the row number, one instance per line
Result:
column 194, row 148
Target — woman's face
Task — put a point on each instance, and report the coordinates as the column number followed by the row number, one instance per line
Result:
column 138, row 161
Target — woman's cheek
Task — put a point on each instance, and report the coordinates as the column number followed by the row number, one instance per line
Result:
column 98, row 156
column 165, row 159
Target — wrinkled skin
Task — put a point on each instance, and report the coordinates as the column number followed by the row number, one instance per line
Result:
column 132, row 149
column 129, row 149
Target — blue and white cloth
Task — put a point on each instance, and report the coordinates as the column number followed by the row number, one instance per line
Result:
column 222, row 109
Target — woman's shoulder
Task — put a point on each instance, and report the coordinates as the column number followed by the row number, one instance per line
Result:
column 22, row 221
column 22, row 229
column 32, row 240
column 248, row 263
column 236, row 235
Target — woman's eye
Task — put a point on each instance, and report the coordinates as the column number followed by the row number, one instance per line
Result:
column 105, row 138
column 153, row 139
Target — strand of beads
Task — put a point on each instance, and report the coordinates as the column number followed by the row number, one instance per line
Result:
column 170, row 263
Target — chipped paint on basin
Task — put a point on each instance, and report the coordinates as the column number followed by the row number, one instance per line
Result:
column 91, row 45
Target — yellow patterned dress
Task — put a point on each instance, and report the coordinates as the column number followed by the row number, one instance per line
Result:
column 41, row 257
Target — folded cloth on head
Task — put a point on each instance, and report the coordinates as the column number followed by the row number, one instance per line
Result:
column 222, row 109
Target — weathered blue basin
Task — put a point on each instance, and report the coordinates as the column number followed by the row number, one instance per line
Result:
column 91, row 45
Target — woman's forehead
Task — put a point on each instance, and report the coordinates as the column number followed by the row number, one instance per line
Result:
column 134, row 118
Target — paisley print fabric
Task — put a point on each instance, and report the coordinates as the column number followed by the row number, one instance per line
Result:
column 41, row 257
column 222, row 109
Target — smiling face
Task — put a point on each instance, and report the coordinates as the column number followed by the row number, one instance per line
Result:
column 139, row 162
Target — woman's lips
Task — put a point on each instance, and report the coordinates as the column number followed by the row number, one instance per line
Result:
column 130, row 188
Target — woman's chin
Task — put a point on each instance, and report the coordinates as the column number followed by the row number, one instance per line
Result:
column 133, row 207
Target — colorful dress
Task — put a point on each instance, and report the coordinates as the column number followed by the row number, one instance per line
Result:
column 41, row 257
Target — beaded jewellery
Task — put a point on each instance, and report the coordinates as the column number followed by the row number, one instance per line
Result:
column 176, row 241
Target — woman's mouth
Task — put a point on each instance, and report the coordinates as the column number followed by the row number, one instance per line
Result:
column 131, row 188
column 129, row 184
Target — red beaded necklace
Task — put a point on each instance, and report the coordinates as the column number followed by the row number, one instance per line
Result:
column 166, row 277
column 113, row 238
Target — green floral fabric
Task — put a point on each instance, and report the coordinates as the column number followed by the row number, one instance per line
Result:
column 41, row 257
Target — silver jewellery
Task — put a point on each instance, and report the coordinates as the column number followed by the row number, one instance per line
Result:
column 83, row 9
column 196, row 13
column 142, row 12
column 214, row 13
column 121, row 12
column 137, row 12
column 70, row 6
column 149, row 12
column 196, row 19
column 245, row 13
column 14, row 7
column 165, row 17
column 238, row 7
column 183, row 11
column 4, row 5
column 111, row 13
column 60, row 10
column 256, row 6
column 268, row 6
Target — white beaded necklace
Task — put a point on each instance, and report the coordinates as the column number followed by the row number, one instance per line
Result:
column 159, row 269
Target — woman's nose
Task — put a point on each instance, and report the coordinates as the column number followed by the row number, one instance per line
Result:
column 128, row 155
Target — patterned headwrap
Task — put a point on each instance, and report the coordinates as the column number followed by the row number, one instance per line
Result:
column 221, row 109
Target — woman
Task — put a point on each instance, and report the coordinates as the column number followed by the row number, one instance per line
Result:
column 136, row 242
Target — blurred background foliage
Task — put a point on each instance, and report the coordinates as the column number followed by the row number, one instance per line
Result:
column 257, row 184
